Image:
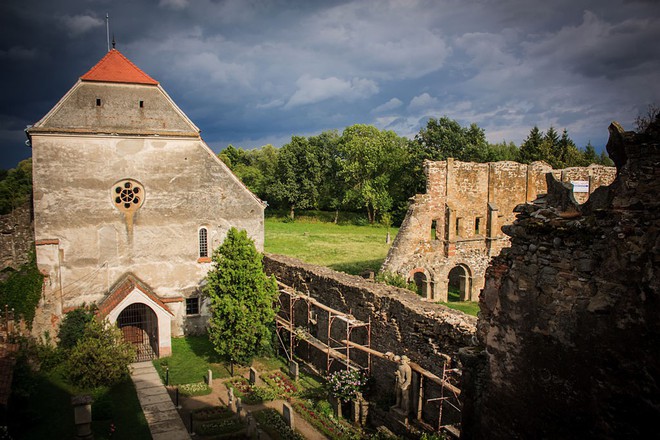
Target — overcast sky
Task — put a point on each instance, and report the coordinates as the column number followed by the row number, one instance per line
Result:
column 253, row 72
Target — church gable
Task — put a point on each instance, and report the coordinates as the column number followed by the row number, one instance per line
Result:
column 116, row 97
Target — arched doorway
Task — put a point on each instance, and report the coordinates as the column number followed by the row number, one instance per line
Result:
column 420, row 280
column 460, row 284
column 139, row 324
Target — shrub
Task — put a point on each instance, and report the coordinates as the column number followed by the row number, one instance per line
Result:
column 346, row 385
column 194, row 389
column 271, row 422
column 221, row 426
column 73, row 325
column 396, row 280
column 21, row 290
column 101, row 357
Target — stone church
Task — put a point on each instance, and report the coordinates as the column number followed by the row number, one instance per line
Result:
column 129, row 203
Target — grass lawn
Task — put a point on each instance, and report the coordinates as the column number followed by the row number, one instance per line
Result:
column 346, row 248
column 41, row 408
column 469, row 307
column 191, row 358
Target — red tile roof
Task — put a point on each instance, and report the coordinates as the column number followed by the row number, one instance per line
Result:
column 115, row 67
column 122, row 288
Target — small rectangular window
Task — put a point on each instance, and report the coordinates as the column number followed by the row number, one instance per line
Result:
column 98, row 102
column 434, row 232
column 477, row 225
column 459, row 226
column 141, row 104
column 192, row 306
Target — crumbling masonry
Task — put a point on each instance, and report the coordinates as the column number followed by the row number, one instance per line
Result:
column 450, row 233
column 569, row 332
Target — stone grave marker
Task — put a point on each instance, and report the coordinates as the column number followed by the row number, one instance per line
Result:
column 209, row 378
column 294, row 370
column 287, row 412
column 82, row 415
column 253, row 376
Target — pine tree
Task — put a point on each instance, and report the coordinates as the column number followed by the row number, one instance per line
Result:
column 242, row 299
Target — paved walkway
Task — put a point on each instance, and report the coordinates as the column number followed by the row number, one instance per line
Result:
column 163, row 419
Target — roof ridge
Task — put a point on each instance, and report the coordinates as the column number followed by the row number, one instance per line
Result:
column 115, row 67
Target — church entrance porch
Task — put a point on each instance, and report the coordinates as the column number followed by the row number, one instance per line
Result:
column 139, row 324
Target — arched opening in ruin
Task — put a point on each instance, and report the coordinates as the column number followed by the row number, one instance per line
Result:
column 459, row 287
column 139, row 324
column 422, row 279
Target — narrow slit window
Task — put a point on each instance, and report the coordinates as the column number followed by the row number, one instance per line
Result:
column 459, row 226
column 434, row 232
column 203, row 243
column 141, row 104
column 98, row 102
column 192, row 306
column 477, row 225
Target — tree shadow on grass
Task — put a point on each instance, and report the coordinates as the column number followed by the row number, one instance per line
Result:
column 358, row 267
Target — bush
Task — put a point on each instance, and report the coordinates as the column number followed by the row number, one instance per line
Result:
column 396, row 280
column 101, row 357
column 73, row 325
column 21, row 290
column 271, row 422
column 194, row 389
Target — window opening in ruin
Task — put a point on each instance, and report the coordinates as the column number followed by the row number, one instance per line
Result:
column 459, row 284
column 203, row 243
column 192, row 306
column 128, row 195
column 141, row 104
column 478, row 225
column 459, row 226
column 139, row 324
column 98, row 102
column 434, row 232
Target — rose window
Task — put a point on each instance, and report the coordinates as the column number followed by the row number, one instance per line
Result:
column 128, row 195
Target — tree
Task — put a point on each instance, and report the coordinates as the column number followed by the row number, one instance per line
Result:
column 16, row 186
column 443, row 138
column 589, row 155
column 298, row 175
column 534, row 147
column 101, row 357
column 369, row 163
column 242, row 298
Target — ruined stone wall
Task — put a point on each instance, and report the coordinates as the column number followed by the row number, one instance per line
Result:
column 457, row 223
column 401, row 323
column 16, row 237
column 568, row 330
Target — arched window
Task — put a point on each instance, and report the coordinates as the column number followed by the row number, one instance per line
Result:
column 203, row 243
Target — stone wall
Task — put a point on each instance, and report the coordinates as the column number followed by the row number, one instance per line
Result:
column 401, row 323
column 569, row 332
column 16, row 237
column 455, row 228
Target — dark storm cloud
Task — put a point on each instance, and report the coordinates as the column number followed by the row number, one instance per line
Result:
column 255, row 72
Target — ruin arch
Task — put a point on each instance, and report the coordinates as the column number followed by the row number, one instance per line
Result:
column 460, row 279
column 423, row 279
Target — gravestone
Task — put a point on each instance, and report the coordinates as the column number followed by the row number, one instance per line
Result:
column 287, row 412
column 239, row 406
column 209, row 378
column 251, row 425
column 253, row 376
column 294, row 371
column 230, row 396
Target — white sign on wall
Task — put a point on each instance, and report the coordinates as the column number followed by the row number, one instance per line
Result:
column 580, row 186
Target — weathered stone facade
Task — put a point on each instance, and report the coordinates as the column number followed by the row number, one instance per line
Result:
column 450, row 233
column 124, row 184
column 569, row 332
column 16, row 237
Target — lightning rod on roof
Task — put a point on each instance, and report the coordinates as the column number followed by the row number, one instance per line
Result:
column 107, row 29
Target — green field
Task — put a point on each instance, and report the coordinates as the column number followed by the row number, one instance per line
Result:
column 345, row 248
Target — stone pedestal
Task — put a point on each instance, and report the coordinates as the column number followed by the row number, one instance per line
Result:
column 82, row 416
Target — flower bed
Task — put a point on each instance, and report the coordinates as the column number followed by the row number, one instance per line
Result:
column 212, row 413
column 194, row 389
column 323, row 422
column 222, row 426
column 281, row 383
column 251, row 395
column 270, row 421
